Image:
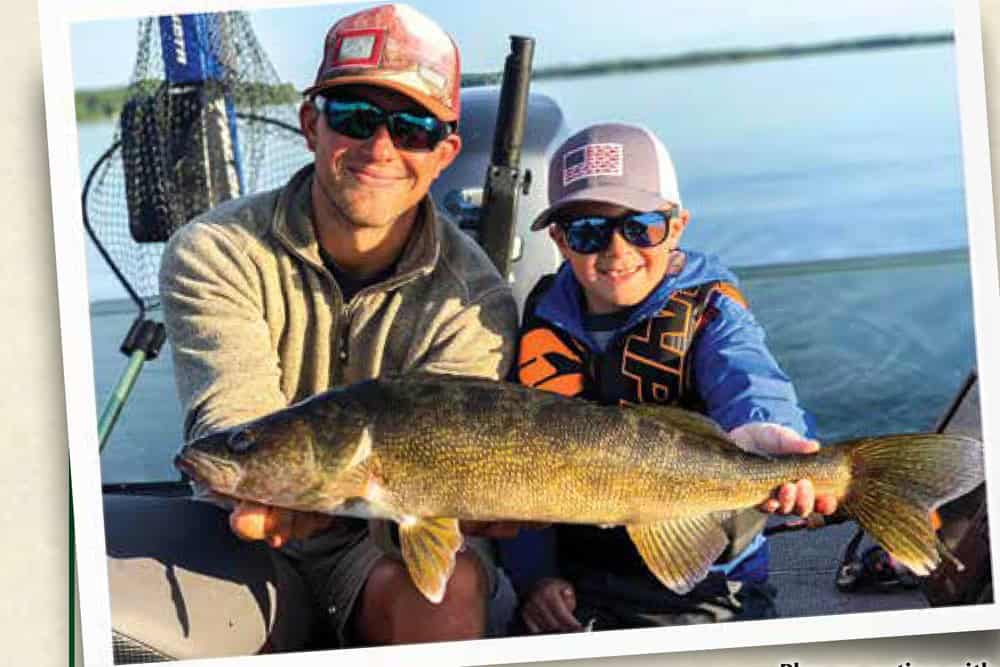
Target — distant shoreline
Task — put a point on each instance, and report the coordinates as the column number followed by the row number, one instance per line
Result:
column 94, row 105
column 719, row 57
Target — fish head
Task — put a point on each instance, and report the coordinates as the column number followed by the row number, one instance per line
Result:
column 286, row 459
column 208, row 461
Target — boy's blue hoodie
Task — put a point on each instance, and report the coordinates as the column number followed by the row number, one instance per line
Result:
column 735, row 374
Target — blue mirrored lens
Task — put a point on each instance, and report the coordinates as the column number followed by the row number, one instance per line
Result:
column 645, row 229
column 412, row 131
column 357, row 120
column 587, row 235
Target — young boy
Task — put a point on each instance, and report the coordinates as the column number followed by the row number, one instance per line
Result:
column 631, row 318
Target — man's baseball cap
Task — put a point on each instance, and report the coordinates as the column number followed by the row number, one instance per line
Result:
column 612, row 163
column 396, row 47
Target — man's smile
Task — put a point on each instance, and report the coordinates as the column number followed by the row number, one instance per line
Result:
column 375, row 177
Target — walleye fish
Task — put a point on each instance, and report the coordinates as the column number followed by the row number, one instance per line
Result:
column 428, row 450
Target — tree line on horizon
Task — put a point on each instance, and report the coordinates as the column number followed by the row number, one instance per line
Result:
column 106, row 103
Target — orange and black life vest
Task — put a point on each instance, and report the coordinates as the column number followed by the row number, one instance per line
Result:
column 649, row 364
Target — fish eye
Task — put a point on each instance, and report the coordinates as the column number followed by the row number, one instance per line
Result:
column 239, row 442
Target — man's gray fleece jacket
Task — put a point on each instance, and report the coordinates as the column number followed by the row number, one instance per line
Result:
column 257, row 322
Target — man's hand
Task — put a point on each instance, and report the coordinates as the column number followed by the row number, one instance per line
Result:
column 549, row 607
column 251, row 521
column 777, row 440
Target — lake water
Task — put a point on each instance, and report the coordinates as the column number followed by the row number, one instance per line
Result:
column 797, row 159
column 801, row 159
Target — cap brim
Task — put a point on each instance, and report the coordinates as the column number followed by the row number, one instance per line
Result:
column 430, row 103
column 637, row 200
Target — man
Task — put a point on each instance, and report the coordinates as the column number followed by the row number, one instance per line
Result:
column 344, row 274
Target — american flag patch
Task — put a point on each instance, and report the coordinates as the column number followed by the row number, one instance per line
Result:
column 592, row 160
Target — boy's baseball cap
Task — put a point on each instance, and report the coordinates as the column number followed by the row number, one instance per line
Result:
column 396, row 47
column 613, row 163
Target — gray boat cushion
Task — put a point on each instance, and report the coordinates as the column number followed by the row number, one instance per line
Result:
column 183, row 586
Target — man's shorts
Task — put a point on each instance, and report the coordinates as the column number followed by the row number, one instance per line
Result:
column 337, row 564
column 607, row 601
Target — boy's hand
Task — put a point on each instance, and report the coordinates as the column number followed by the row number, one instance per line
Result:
column 549, row 607
column 777, row 440
column 251, row 521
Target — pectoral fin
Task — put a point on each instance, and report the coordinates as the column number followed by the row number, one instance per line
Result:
column 429, row 547
column 679, row 551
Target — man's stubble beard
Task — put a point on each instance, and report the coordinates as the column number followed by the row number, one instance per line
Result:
column 360, row 208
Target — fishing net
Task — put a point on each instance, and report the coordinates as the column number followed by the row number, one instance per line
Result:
column 181, row 147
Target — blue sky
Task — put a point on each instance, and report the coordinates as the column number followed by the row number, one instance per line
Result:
column 566, row 30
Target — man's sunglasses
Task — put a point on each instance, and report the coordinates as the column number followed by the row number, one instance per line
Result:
column 359, row 119
column 587, row 234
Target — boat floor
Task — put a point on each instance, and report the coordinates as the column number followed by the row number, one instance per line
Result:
column 804, row 566
column 804, row 563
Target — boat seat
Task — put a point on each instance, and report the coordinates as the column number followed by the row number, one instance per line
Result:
column 183, row 586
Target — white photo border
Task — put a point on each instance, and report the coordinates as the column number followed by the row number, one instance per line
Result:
column 56, row 17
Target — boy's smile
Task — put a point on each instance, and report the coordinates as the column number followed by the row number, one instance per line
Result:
column 618, row 275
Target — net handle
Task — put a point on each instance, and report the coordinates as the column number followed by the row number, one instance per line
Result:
column 140, row 304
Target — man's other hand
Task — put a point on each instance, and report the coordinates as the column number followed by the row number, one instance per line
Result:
column 252, row 521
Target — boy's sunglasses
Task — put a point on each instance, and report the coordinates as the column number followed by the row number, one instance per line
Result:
column 592, row 233
column 359, row 119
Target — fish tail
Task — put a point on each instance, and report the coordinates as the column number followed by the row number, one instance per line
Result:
column 898, row 481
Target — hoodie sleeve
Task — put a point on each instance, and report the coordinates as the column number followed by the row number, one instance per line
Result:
column 226, row 368
column 738, row 377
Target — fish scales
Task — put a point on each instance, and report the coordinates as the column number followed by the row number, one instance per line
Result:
column 539, row 456
column 426, row 451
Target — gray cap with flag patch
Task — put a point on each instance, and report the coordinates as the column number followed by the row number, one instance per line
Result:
column 612, row 163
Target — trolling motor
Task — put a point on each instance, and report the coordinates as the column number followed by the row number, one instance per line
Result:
column 180, row 144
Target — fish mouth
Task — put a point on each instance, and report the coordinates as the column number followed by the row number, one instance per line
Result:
column 220, row 475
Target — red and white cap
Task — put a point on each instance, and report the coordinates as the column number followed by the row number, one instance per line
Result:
column 396, row 47
column 613, row 163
